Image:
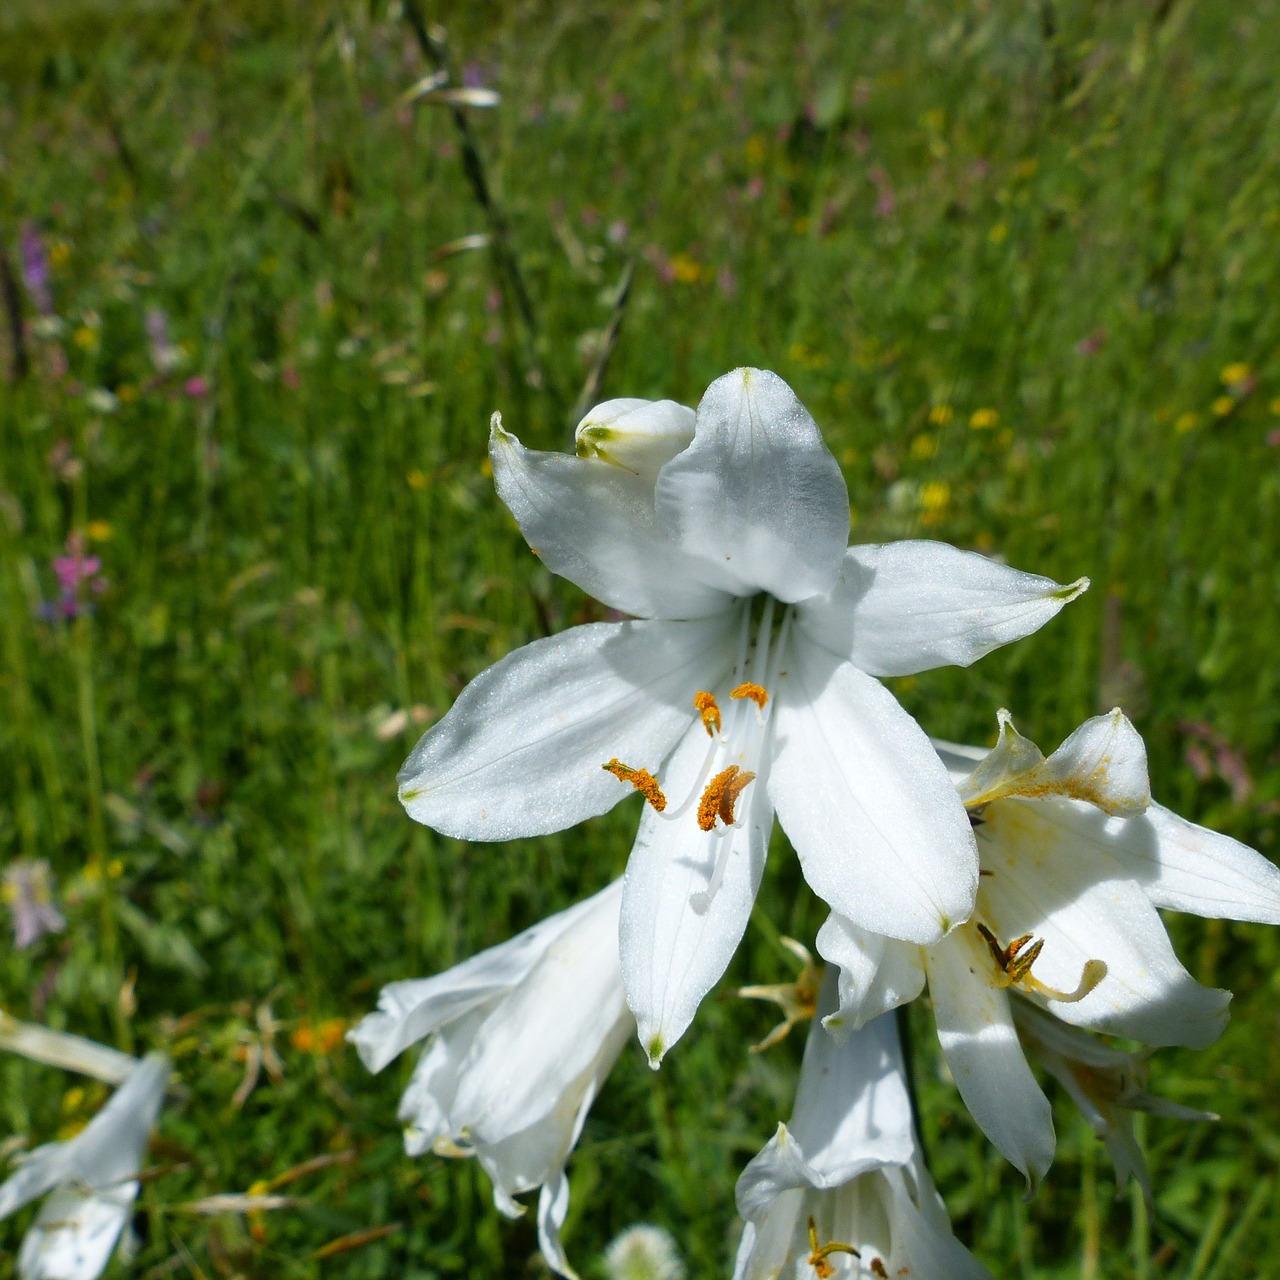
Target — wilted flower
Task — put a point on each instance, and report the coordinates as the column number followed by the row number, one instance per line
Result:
column 843, row 1190
column 1106, row 1083
column 746, row 685
column 28, row 891
column 93, row 1177
column 1075, row 861
column 523, row 1035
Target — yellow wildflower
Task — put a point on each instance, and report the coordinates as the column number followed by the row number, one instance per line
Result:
column 935, row 495
column 685, row 269
column 982, row 419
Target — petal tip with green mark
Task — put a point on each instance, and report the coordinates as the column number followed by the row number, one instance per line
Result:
column 655, row 1047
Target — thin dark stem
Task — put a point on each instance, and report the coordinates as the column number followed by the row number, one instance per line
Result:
column 435, row 51
column 902, row 1015
column 12, row 302
column 590, row 393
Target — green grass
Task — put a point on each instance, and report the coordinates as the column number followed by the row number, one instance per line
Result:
column 1066, row 215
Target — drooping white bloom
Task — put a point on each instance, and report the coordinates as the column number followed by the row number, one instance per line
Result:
column 93, row 1177
column 523, row 1035
column 1075, row 860
column 843, row 1190
column 747, row 684
column 1106, row 1083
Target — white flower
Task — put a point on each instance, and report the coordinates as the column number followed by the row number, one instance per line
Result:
column 843, row 1189
column 1106, row 1083
column 643, row 1252
column 93, row 1177
column 747, row 685
column 523, row 1036
column 1075, row 861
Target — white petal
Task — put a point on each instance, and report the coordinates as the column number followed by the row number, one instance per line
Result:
column 75, row 1233
column 1103, row 763
column 1186, row 867
column 61, row 1049
column 1043, row 881
column 999, row 771
column 553, row 1208
column 641, row 436
column 562, row 1021
column 876, row 822
column 40, row 1171
column 975, row 1028
column 409, row 1010
column 852, row 1114
column 758, row 495
column 595, row 524
column 675, row 944
column 520, row 752
column 852, row 1111
column 903, row 607
column 426, row 1106
column 533, row 1156
column 924, row 1243
column 877, row 974
column 109, row 1148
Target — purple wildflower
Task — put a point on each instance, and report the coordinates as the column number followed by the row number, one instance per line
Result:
column 35, row 269
column 164, row 355
column 78, row 577
column 28, row 889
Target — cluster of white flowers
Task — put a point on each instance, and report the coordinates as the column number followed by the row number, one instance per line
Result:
column 91, row 1179
column 1023, row 890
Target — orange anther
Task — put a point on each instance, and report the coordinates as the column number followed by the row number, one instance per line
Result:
column 705, row 705
column 752, row 691
column 721, row 795
column 643, row 781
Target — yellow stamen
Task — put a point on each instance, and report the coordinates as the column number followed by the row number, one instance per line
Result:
column 705, row 705
column 643, row 781
column 721, row 795
column 1015, row 961
column 878, row 1269
column 819, row 1254
column 752, row 691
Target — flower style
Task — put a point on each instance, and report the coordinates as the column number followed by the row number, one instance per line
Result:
column 523, row 1035
column 1106, row 1083
column 843, row 1189
column 94, row 1180
column 746, row 684
column 1075, row 860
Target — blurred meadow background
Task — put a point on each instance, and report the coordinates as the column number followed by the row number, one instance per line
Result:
column 1018, row 260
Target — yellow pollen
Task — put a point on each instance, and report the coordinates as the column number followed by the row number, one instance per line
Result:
column 752, row 691
column 643, row 781
column 705, row 705
column 721, row 795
